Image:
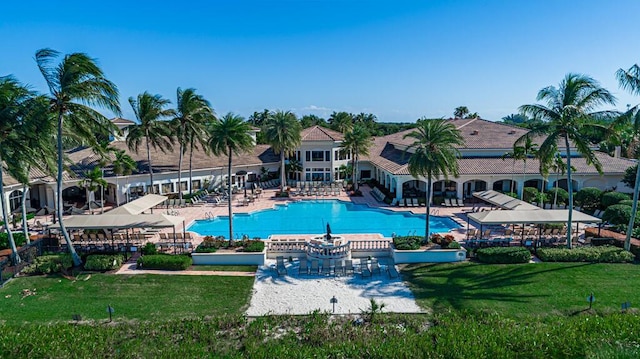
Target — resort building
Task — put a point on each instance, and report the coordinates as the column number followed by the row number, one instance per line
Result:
column 321, row 159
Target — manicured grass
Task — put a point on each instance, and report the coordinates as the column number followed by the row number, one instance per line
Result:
column 519, row 290
column 144, row 297
column 220, row 268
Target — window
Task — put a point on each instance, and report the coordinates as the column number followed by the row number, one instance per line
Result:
column 195, row 184
column 308, row 156
column 156, row 188
column 365, row 174
column 167, row 187
column 341, row 155
column 317, row 156
column 183, row 186
column 327, row 156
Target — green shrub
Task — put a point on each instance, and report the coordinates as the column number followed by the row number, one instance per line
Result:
column 437, row 200
column 617, row 214
column 588, row 198
column 103, row 262
column 407, row 242
column 253, row 246
column 530, row 194
column 18, row 237
column 48, row 264
column 503, row 255
column 627, row 202
column 563, row 196
column 611, row 198
column 608, row 254
column 454, row 245
column 149, row 248
column 512, row 194
column 164, row 261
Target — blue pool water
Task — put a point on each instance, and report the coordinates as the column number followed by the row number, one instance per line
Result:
column 311, row 217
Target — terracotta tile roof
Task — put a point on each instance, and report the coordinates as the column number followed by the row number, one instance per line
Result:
column 123, row 121
column 168, row 162
column 319, row 133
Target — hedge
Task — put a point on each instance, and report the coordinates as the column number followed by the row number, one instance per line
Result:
column 611, row 198
column 618, row 214
column 103, row 262
column 164, row 261
column 530, row 194
column 563, row 195
column 606, row 254
column 407, row 242
column 588, row 198
column 503, row 255
column 253, row 246
column 18, row 238
column 48, row 264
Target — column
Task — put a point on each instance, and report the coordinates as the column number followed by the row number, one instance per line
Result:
column 398, row 189
column 459, row 189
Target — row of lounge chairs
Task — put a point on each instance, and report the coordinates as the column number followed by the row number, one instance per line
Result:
column 377, row 194
column 406, row 202
column 179, row 236
column 338, row 267
column 270, row 184
column 453, row 202
column 101, row 237
column 106, row 247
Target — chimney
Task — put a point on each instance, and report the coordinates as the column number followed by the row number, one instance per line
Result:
column 616, row 152
column 474, row 132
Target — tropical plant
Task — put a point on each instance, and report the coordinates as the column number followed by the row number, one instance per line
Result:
column 434, row 154
column 588, row 198
column 93, row 181
column 192, row 114
column 293, row 166
column 283, row 134
column 341, row 121
column 568, row 113
column 312, row 120
column 227, row 136
column 150, row 111
column 358, row 142
column 123, row 165
column 75, row 85
column 460, row 112
column 630, row 80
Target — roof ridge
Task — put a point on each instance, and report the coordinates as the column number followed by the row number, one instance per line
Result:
column 471, row 121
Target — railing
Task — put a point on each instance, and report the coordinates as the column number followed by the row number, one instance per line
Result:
column 319, row 251
column 369, row 245
column 288, row 246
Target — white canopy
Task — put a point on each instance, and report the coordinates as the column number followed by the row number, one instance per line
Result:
column 139, row 205
column 120, row 221
column 504, row 201
column 531, row 216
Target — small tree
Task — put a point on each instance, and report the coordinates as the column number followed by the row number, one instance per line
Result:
column 588, row 198
column 612, row 198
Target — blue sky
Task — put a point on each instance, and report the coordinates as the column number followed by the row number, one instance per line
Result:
column 399, row 60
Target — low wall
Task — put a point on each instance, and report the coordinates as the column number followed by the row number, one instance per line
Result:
column 429, row 256
column 229, row 258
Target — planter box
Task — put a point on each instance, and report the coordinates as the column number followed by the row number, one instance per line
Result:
column 241, row 258
column 428, row 255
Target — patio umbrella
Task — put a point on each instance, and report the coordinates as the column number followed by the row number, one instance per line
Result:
column 328, row 231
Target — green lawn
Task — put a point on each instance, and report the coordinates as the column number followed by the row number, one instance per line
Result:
column 145, row 297
column 220, row 268
column 524, row 289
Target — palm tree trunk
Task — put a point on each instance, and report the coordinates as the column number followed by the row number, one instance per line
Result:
column 513, row 174
column 555, row 197
column 5, row 218
column 524, row 174
column 191, row 169
column 355, row 169
column 229, row 201
column 180, row 171
column 150, row 168
column 428, row 202
column 63, row 229
column 89, row 200
column 25, row 227
column 117, row 191
column 570, row 190
column 101, row 199
column 634, row 210
column 283, row 177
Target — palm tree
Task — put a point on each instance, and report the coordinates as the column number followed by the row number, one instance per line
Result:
column 76, row 84
column 150, row 111
column 569, row 113
column 192, row 113
column 517, row 154
column 525, row 148
column 341, row 121
column 434, row 154
column 630, row 80
column 358, row 141
column 92, row 182
column 123, row 165
column 227, row 136
column 460, row 112
column 283, row 134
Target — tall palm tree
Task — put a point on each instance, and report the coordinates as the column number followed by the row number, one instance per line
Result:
column 150, row 111
column 523, row 150
column 568, row 114
column 283, row 134
column 123, row 165
column 517, row 154
column 227, row 136
column 92, row 182
column 75, row 85
column 358, row 141
column 630, row 80
column 192, row 113
column 341, row 121
column 434, row 154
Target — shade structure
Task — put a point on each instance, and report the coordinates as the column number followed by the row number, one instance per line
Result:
column 120, row 221
column 531, row 216
column 139, row 205
column 504, row 201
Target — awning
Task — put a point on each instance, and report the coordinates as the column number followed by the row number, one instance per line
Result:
column 120, row 221
column 139, row 205
column 531, row 216
column 504, row 201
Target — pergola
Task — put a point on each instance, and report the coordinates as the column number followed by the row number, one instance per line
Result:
column 537, row 216
column 504, row 201
column 139, row 205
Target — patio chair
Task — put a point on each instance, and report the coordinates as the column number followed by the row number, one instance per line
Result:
column 394, row 202
column 391, row 269
column 339, row 268
column 414, row 202
column 364, row 269
column 375, row 266
column 348, row 266
column 304, row 267
column 315, row 266
column 447, row 202
column 460, row 202
column 281, row 269
column 326, row 266
column 401, row 203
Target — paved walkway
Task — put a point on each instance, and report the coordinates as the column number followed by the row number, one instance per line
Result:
column 130, row 268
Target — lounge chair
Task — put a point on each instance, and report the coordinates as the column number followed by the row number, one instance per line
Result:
column 364, row 270
column 339, row 268
column 281, row 269
column 460, row 202
column 348, row 266
column 394, row 202
column 414, row 202
column 447, row 202
column 391, row 269
column 326, row 266
column 375, row 266
column 401, row 203
column 304, row 267
column 315, row 266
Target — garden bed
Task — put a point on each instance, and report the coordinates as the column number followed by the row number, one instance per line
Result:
column 428, row 255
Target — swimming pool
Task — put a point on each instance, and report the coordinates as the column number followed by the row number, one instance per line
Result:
column 311, row 217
